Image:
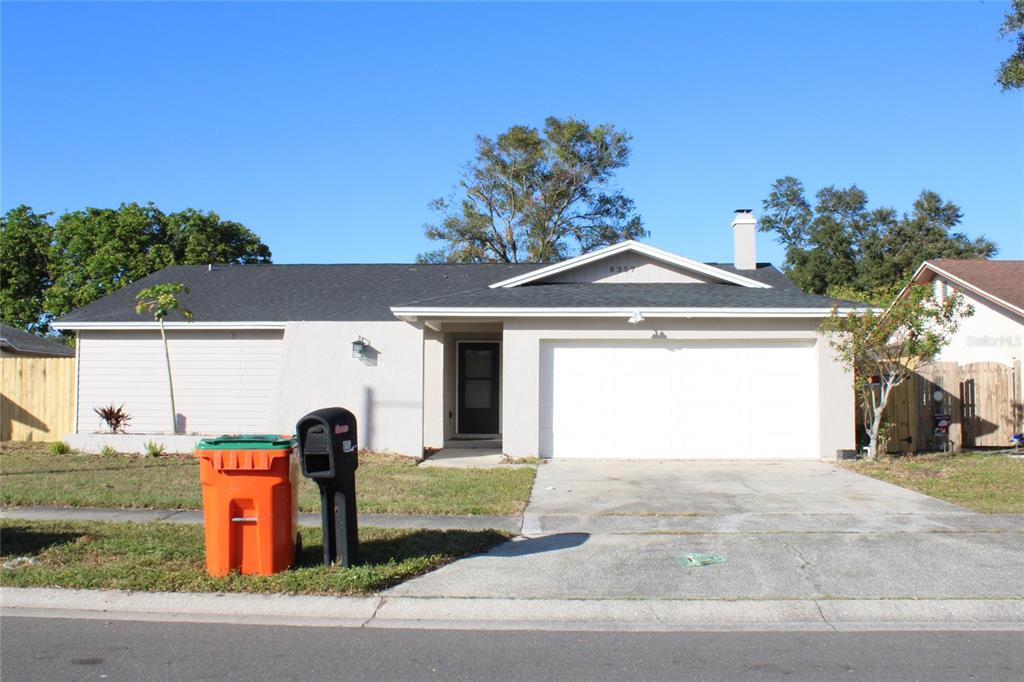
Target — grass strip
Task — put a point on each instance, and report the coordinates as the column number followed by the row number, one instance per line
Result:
column 981, row 482
column 170, row 558
column 385, row 484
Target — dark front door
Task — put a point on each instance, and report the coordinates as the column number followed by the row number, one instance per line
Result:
column 478, row 387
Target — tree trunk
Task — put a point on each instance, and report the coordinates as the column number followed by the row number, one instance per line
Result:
column 878, row 410
column 170, row 380
column 876, row 426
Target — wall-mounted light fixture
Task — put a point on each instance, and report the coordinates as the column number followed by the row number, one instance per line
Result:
column 359, row 348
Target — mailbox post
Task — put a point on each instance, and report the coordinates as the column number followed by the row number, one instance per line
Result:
column 328, row 454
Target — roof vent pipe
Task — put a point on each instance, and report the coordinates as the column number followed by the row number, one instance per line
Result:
column 744, row 232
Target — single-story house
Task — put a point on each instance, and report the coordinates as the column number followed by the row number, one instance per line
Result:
column 628, row 351
column 976, row 380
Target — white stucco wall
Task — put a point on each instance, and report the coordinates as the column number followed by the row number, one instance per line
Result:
column 385, row 392
column 433, row 389
column 991, row 334
column 833, row 420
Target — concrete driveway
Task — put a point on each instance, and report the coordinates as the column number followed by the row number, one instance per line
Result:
column 789, row 530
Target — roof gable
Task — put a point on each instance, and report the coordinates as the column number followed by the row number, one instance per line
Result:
column 607, row 265
column 999, row 281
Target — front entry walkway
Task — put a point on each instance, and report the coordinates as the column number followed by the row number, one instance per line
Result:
column 788, row 530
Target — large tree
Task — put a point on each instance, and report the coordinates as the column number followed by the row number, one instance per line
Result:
column 47, row 270
column 99, row 250
column 1011, row 71
column 537, row 196
column 842, row 243
column 25, row 238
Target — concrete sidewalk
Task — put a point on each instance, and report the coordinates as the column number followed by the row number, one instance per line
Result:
column 511, row 524
column 519, row 614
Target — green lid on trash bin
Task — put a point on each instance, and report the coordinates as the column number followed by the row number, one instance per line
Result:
column 247, row 441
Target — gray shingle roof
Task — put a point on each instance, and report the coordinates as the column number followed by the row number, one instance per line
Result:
column 630, row 296
column 280, row 293
column 276, row 293
column 17, row 341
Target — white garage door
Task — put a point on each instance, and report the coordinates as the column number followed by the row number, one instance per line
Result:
column 729, row 399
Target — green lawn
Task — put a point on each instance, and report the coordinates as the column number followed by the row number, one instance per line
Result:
column 31, row 475
column 169, row 557
column 981, row 482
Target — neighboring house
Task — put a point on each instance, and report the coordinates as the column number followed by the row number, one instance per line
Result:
column 17, row 343
column 978, row 375
column 628, row 351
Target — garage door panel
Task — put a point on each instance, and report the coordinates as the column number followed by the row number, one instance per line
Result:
column 678, row 400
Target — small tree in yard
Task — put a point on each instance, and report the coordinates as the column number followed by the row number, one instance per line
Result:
column 161, row 300
column 885, row 349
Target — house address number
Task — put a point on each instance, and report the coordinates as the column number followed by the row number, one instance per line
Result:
column 621, row 268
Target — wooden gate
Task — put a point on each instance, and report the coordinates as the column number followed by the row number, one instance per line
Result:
column 981, row 399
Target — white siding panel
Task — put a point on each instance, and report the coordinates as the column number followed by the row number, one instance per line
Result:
column 223, row 380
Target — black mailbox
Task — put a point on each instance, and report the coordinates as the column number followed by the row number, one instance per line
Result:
column 328, row 454
column 328, row 443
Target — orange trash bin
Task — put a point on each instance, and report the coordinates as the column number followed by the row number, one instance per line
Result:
column 250, row 503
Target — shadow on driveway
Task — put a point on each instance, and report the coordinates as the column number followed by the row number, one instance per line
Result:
column 539, row 545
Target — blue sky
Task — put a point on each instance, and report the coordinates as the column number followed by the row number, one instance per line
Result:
column 327, row 127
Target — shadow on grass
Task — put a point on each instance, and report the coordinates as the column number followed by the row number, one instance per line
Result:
column 420, row 544
column 24, row 541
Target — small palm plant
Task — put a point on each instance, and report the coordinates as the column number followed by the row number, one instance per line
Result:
column 115, row 417
column 160, row 300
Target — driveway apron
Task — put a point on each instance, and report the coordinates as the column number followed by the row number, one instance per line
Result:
column 788, row 530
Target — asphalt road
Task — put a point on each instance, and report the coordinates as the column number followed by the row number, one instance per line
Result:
column 69, row 649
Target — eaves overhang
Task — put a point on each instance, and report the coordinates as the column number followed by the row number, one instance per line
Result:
column 77, row 326
column 415, row 313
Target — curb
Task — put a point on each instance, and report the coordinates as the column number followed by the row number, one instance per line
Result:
column 519, row 614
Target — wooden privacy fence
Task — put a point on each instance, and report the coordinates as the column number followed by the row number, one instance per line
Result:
column 981, row 399
column 38, row 398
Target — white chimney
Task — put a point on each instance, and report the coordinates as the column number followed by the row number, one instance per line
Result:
column 744, row 231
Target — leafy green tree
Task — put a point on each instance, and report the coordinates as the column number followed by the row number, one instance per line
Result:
column 196, row 237
column 1011, row 71
column 537, row 196
column 842, row 243
column 25, row 238
column 160, row 300
column 99, row 250
column 890, row 346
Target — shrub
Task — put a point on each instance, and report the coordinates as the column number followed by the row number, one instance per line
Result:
column 60, row 448
column 115, row 417
column 107, row 450
column 154, row 449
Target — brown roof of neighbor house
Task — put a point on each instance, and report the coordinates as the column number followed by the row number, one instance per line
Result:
column 1002, row 279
